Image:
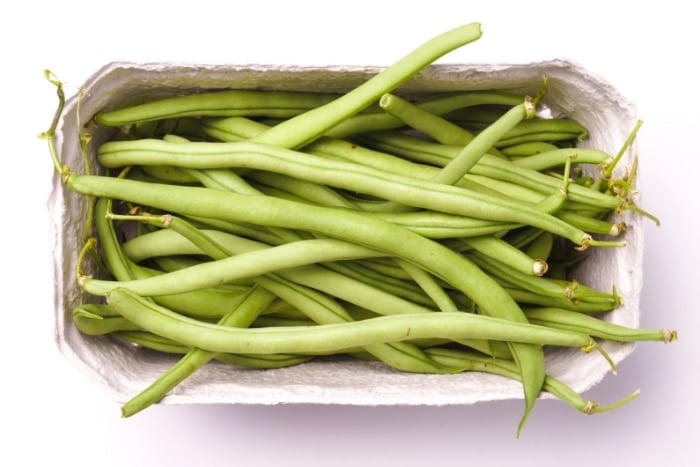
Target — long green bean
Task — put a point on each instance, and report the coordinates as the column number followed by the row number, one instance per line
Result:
column 281, row 104
column 333, row 337
column 439, row 105
column 300, row 130
column 567, row 319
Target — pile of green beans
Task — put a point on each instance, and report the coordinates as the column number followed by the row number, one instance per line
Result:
column 433, row 233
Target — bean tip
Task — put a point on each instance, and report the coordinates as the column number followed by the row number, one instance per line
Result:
column 589, row 407
column 540, row 267
column 670, row 335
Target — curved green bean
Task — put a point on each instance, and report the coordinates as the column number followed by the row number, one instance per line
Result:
column 304, row 128
column 281, row 104
column 95, row 319
column 333, row 337
column 566, row 319
column 246, row 265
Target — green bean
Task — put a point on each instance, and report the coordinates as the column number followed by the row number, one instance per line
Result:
column 474, row 150
column 546, row 160
column 557, row 200
column 502, row 189
column 592, row 224
column 387, row 267
column 332, row 337
column 437, row 105
column 417, row 118
column 246, row 265
column 219, row 178
column 219, row 103
column 509, row 254
column 304, row 128
column 527, row 297
column 566, row 319
column 437, row 225
column 607, row 172
column 544, row 129
column 504, row 252
column 152, row 341
column 232, row 129
column 166, row 242
column 95, row 319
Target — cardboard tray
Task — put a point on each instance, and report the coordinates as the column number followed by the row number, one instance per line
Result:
column 122, row 371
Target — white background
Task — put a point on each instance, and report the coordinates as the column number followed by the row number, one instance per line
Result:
column 51, row 412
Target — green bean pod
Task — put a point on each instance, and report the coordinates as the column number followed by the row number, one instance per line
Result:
column 432, row 125
column 304, row 128
column 281, row 104
column 332, row 337
column 572, row 320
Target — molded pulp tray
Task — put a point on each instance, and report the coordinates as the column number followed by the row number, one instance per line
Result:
column 123, row 371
